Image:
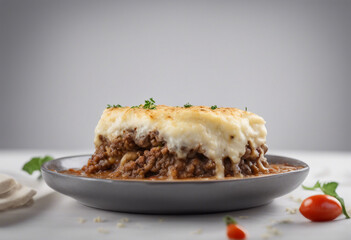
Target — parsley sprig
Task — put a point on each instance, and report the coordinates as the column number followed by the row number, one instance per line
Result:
column 214, row 107
column 35, row 164
column 113, row 106
column 187, row 105
column 149, row 104
column 329, row 189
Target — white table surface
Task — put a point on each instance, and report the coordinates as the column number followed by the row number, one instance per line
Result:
column 55, row 216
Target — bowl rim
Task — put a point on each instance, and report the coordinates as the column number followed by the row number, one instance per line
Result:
column 45, row 169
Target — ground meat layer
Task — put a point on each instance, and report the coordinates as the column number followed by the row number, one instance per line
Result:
column 149, row 157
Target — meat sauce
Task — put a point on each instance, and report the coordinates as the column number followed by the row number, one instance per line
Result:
column 272, row 169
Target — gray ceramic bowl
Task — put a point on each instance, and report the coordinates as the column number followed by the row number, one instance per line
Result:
column 171, row 197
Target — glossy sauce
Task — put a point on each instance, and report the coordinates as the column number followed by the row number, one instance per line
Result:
column 273, row 169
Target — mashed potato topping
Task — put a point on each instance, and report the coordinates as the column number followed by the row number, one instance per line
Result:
column 219, row 133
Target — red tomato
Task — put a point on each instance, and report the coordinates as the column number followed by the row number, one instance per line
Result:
column 320, row 208
column 235, row 231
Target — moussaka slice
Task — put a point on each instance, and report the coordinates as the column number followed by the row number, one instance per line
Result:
column 178, row 143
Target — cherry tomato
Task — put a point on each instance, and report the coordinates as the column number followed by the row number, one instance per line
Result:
column 235, row 231
column 320, row 208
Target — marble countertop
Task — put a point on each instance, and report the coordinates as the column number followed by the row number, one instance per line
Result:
column 55, row 216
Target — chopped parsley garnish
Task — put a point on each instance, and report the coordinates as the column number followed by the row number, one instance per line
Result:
column 149, row 104
column 113, row 106
column 187, row 105
column 245, row 109
column 329, row 189
column 35, row 164
column 213, row 107
column 137, row 106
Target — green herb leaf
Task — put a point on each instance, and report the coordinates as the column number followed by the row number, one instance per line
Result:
column 138, row 106
column 35, row 164
column 245, row 109
column 229, row 220
column 317, row 185
column 330, row 189
column 149, row 104
column 187, row 105
column 213, row 107
column 113, row 106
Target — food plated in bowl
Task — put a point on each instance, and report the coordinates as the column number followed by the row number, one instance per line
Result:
column 172, row 196
column 161, row 159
